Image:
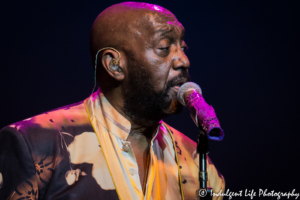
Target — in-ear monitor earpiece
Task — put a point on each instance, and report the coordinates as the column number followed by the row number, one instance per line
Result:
column 114, row 64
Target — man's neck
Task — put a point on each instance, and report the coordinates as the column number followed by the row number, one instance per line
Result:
column 138, row 132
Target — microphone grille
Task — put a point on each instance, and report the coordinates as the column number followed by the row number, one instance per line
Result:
column 188, row 86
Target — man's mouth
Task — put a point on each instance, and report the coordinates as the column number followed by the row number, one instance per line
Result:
column 176, row 88
column 178, row 81
column 177, row 85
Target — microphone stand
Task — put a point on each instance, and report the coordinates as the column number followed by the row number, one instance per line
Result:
column 190, row 94
column 202, row 149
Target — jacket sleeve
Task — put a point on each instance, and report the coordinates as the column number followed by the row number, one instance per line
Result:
column 17, row 170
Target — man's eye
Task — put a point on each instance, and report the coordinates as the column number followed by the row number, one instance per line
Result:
column 184, row 48
column 165, row 48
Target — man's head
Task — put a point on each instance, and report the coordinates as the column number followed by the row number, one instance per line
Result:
column 152, row 65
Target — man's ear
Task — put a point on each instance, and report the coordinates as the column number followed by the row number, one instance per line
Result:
column 111, row 63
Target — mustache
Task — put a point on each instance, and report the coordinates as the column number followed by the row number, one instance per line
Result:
column 182, row 78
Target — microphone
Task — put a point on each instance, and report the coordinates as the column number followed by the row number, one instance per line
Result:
column 204, row 116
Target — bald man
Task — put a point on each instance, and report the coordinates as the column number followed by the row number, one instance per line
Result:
column 113, row 145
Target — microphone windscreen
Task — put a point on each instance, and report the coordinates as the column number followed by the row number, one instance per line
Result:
column 188, row 86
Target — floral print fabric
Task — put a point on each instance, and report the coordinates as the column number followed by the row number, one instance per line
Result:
column 57, row 155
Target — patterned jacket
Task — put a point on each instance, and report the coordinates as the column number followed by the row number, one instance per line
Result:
column 65, row 154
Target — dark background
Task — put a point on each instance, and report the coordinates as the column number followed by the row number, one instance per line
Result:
column 245, row 55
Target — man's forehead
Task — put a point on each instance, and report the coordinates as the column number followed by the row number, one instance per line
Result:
column 167, row 18
column 159, row 22
column 168, row 27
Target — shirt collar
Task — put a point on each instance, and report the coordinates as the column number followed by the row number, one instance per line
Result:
column 100, row 108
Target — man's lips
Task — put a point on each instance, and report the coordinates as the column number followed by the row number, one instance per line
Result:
column 176, row 88
column 177, row 85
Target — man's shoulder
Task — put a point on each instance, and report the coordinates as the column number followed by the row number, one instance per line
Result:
column 71, row 119
column 66, row 115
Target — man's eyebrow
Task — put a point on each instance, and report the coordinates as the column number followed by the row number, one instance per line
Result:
column 164, row 30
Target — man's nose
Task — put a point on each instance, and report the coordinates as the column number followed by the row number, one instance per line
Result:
column 181, row 61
